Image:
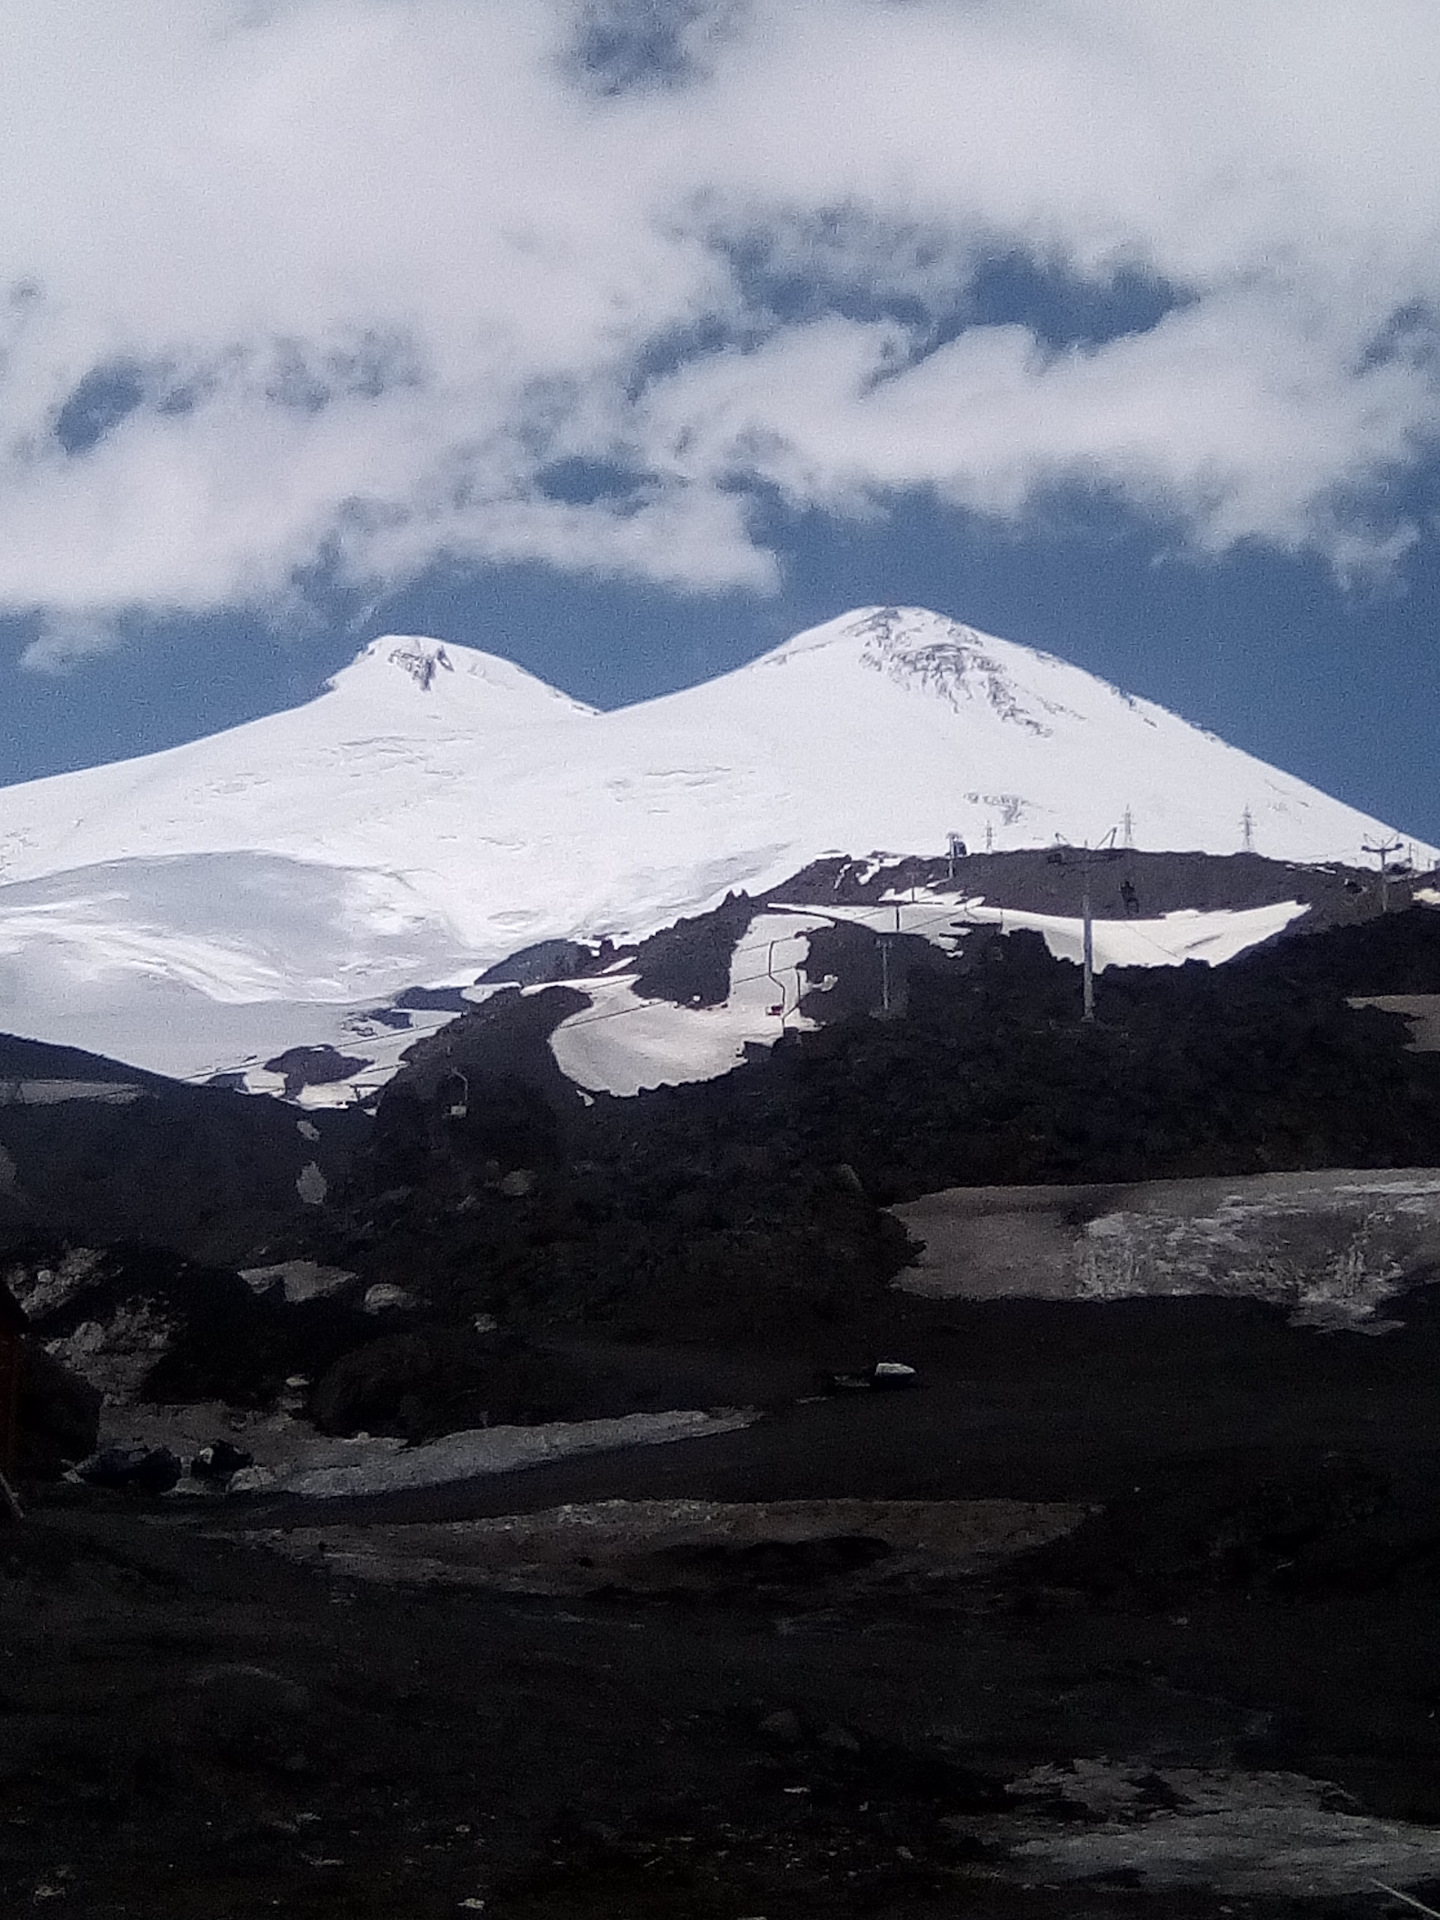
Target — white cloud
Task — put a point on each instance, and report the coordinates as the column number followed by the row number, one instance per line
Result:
column 66, row 639
column 374, row 266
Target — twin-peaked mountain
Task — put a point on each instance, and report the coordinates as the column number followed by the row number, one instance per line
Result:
column 436, row 808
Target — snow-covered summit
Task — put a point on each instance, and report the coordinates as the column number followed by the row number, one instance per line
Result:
column 460, row 682
column 435, row 808
column 929, row 653
column 969, row 671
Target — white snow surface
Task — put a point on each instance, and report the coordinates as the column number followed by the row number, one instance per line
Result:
column 623, row 1044
column 1187, row 934
column 436, row 808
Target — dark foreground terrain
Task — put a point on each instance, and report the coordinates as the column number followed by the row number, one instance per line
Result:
column 1127, row 1608
column 1213, row 1690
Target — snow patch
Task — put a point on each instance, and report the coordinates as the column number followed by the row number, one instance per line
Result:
column 623, row 1044
column 388, row 1466
column 1259, row 1835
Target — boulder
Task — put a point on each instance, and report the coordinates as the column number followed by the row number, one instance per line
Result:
column 59, row 1415
column 219, row 1461
column 132, row 1469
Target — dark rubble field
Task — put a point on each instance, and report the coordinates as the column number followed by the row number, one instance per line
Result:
column 1212, row 1690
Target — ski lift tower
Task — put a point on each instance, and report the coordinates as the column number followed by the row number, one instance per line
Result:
column 1087, row 857
column 1383, row 849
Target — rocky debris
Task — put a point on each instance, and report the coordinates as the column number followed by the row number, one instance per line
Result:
column 544, row 963
column 422, row 1000
column 1332, row 1524
column 131, row 1470
column 885, row 1376
column 717, row 1212
column 783, row 1727
column 298, row 1280
column 219, row 1461
column 311, row 1184
column 139, row 1324
column 386, row 1297
column 1050, row 880
column 517, row 1690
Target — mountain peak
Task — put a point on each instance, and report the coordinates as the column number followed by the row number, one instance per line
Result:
column 464, row 679
column 931, row 653
column 416, row 655
column 421, row 659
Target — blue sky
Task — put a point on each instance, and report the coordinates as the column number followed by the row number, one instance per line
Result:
column 626, row 340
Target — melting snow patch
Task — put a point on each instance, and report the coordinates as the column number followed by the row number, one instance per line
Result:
column 622, row 1043
column 1248, row 1834
column 1333, row 1247
column 379, row 1466
column 943, row 919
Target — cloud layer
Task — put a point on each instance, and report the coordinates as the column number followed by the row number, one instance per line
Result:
column 338, row 288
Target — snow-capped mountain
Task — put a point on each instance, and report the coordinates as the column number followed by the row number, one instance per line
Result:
column 436, row 808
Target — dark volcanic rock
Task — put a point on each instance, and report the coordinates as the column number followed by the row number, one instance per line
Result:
column 59, row 1415
column 110, row 1153
column 219, row 1460
column 1051, row 880
column 539, row 965
column 313, row 1067
column 142, row 1324
column 1322, row 1523
column 714, row 1212
column 689, row 963
column 440, row 1380
column 132, row 1469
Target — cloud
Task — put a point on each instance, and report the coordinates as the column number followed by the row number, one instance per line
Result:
column 65, row 640
column 336, row 287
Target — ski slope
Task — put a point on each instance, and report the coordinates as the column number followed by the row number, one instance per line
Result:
column 437, row 808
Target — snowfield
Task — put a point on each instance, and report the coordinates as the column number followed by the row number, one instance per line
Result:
column 436, row 808
column 622, row 1043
